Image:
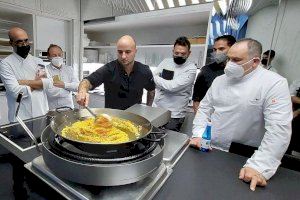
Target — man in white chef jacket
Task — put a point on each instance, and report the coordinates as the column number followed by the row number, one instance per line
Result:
column 248, row 105
column 174, row 78
column 64, row 80
column 22, row 72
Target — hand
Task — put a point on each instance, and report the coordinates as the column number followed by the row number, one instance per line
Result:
column 195, row 105
column 59, row 84
column 40, row 74
column 23, row 82
column 195, row 142
column 82, row 98
column 296, row 113
column 249, row 174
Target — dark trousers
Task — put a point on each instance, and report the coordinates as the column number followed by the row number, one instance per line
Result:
column 175, row 124
column 295, row 140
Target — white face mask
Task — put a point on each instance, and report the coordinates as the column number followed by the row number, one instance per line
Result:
column 57, row 61
column 234, row 70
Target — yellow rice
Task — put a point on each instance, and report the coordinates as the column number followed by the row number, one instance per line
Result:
column 89, row 131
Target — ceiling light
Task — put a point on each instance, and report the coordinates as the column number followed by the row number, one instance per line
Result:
column 195, row 2
column 171, row 3
column 160, row 4
column 208, row 1
column 149, row 4
column 182, row 2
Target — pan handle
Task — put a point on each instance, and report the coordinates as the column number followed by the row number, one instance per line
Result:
column 162, row 133
column 63, row 108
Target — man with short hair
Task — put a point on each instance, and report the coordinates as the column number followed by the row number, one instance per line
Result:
column 248, row 105
column 267, row 59
column 64, row 80
column 124, row 79
column 174, row 79
column 22, row 72
column 210, row 72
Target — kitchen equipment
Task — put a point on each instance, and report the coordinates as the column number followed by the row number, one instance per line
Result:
column 67, row 118
column 100, row 169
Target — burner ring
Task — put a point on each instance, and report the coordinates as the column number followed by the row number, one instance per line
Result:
column 138, row 150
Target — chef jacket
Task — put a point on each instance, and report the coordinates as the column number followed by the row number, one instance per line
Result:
column 255, row 110
column 174, row 91
column 60, row 97
column 34, row 103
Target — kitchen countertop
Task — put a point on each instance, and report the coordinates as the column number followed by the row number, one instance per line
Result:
column 214, row 175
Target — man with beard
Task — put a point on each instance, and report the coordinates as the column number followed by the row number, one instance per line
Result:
column 174, row 79
column 22, row 72
column 124, row 79
column 210, row 72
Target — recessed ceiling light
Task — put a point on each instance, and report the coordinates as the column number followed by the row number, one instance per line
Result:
column 149, row 4
column 160, row 4
column 182, row 2
column 171, row 3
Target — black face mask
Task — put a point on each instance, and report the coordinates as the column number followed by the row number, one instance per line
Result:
column 179, row 60
column 22, row 50
column 264, row 61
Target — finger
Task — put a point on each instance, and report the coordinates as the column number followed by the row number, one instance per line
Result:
column 253, row 183
column 262, row 181
column 242, row 173
column 87, row 98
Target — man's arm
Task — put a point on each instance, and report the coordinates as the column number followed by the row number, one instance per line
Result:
column 277, row 111
column 150, row 97
column 199, row 90
column 33, row 84
column 11, row 83
column 295, row 99
column 82, row 96
column 178, row 83
column 73, row 84
column 203, row 115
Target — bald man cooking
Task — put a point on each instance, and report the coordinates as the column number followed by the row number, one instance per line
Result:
column 124, row 79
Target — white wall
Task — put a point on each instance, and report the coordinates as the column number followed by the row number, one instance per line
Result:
column 157, row 35
column 261, row 25
column 286, row 41
column 51, row 31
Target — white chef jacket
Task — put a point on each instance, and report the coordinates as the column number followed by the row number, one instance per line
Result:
column 174, row 94
column 255, row 110
column 59, row 97
column 294, row 87
column 34, row 103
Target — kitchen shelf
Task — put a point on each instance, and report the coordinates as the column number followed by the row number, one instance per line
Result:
column 4, row 42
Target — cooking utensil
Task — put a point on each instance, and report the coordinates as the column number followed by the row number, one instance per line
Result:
column 27, row 130
column 67, row 118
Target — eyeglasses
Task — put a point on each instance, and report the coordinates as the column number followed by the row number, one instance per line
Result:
column 21, row 42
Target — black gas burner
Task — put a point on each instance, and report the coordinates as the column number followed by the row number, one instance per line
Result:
column 132, row 152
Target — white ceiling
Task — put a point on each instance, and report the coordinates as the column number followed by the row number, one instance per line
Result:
column 183, row 16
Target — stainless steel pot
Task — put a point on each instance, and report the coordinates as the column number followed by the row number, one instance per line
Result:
column 67, row 118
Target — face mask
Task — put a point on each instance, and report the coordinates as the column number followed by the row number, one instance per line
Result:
column 57, row 61
column 264, row 61
column 22, row 50
column 219, row 57
column 179, row 60
column 233, row 70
